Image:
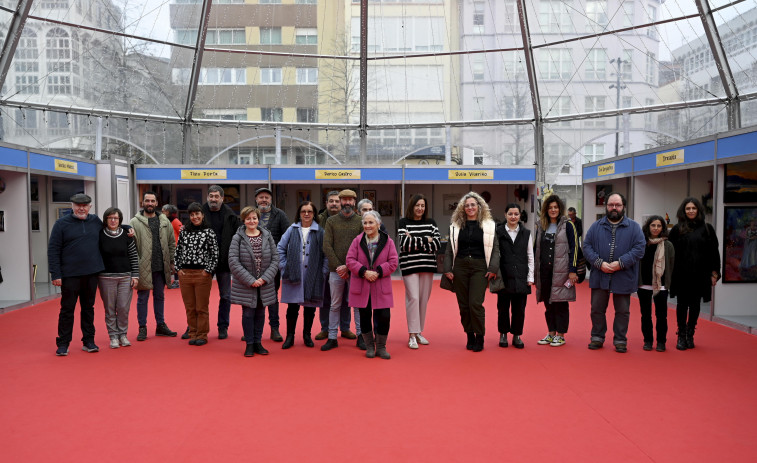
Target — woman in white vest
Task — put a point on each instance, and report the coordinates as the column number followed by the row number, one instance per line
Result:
column 471, row 260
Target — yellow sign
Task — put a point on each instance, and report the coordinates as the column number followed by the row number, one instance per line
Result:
column 202, row 174
column 337, row 174
column 606, row 169
column 670, row 158
column 471, row 174
column 66, row 166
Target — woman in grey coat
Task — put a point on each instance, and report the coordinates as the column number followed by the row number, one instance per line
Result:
column 254, row 262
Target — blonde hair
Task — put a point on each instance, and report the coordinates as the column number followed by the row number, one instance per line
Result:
column 459, row 216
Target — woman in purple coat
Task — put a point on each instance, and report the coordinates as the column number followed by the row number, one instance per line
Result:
column 371, row 259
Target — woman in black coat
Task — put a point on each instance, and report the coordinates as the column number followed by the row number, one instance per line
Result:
column 697, row 267
column 516, row 262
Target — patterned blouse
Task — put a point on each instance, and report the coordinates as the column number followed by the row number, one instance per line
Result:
column 257, row 252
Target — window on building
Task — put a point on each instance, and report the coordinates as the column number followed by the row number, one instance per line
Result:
column 512, row 20
column 652, row 17
column 224, row 37
column 307, row 115
column 628, row 8
column 306, row 2
column 306, row 36
column 54, row 4
column 25, row 122
column 185, row 36
column 210, row 76
column 270, row 1
column 396, row 34
column 596, row 15
column 554, row 16
column 648, row 116
column 627, row 102
column 478, row 155
column 596, row 64
column 26, row 63
column 479, row 111
column 307, row 76
column 651, row 77
column 594, row 152
column 513, row 65
column 477, row 67
column 557, row 106
column 270, row 76
column 265, row 155
column 57, row 123
column 513, row 107
column 226, row 114
column 478, row 17
column 626, row 68
column 594, row 104
column 62, row 52
column 272, row 114
column 270, row 36
column 555, row 63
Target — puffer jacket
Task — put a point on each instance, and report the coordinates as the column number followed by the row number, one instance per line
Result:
column 565, row 260
column 242, row 266
column 143, row 237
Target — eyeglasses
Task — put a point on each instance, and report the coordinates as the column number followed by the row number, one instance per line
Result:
column 306, row 212
column 114, row 218
column 615, row 206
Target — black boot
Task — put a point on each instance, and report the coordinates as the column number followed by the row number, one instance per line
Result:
column 307, row 339
column 275, row 335
column 370, row 351
column 288, row 342
column 361, row 343
column 690, row 337
column 381, row 347
column 249, row 351
column 259, row 349
column 681, row 344
column 308, row 326
column 291, row 326
column 478, row 346
column 186, row 334
column 471, row 341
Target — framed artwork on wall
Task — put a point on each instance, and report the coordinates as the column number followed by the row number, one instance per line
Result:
column 63, row 189
column 370, row 195
column 303, row 195
column 35, row 219
column 231, row 197
column 603, row 191
column 450, row 203
column 740, row 245
column 740, row 184
column 63, row 211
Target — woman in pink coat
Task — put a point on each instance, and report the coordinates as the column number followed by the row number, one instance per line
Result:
column 371, row 260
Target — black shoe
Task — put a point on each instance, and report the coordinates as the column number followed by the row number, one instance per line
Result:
column 275, row 335
column 330, row 344
column 690, row 339
column 594, row 345
column 163, row 330
column 193, row 342
column 249, row 351
column 479, row 345
column 647, row 346
column 90, row 346
column 660, row 346
column 307, row 340
column 621, row 348
column 62, row 351
column 503, row 340
column 288, row 342
column 681, row 344
column 259, row 349
column 186, row 334
column 361, row 343
column 242, row 338
column 471, row 341
column 142, row 335
column 223, row 333
column 518, row 343
column 200, row 342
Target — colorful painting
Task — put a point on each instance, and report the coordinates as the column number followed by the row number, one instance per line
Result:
column 740, row 245
column 603, row 191
column 740, row 182
column 302, row 196
column 370, row 195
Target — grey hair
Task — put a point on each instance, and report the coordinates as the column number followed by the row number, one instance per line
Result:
column 375, row 215
column 215, row 189
column 363, row 201
column 332, row 193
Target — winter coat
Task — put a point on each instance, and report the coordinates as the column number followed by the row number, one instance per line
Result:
column 243, row 271
column 278, row 223
column 231, row 223
column 513, row 259
column 491, row 247
column 697, row 256
column 294, row 292
column 73, row 249
column 385, row 262
column 629, row 249
column 143, row 237
column 565, row 257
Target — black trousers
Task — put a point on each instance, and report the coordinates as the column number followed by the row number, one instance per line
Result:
column 84, row 289
column 557, row 315
column 382, row 317
column 660, row 311
column 293, row 311
column 506, row 302
column 687, row 306
column 470, row 286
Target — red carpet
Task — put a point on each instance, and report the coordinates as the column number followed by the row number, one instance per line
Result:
column 162, row 400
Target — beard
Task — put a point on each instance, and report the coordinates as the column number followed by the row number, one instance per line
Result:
column 614, row 215
column 150, row 209
column 214, row 205
column 347, row 209
column 264, row 208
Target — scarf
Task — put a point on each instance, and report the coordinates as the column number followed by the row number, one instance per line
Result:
column 313, row 289
column 658, row 266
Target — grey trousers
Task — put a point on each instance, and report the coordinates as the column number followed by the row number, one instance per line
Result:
column 600, row 298
column 116, row 294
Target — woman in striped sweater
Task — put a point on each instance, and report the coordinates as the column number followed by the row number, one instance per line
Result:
column 419, row 241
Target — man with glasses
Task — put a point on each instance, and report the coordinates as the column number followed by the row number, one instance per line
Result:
column 614, row 245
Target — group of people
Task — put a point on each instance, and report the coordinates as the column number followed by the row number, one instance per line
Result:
column 344, row 258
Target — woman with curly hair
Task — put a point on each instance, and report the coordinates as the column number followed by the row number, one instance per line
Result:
column 471, row 260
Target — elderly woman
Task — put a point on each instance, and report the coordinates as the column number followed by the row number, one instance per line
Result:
column 304, row 271
column 419, row 242
column 471, row 260
column 371, row 259
column 196, row 260
column 121, row 275
column 254, row 262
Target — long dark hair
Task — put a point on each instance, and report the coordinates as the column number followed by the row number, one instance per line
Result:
column 645, row 227
column 111, row 211
column 684, row 224
column 299, row 209
column 545, row 210
column 410, row 211
column 196, row 207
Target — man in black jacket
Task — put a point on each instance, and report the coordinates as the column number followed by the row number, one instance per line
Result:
column 275, row 221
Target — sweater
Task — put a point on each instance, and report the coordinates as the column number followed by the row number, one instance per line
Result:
column 338, row 236
column 73, row 245
column 417, row 254
column 197, row 248
column 119, row 254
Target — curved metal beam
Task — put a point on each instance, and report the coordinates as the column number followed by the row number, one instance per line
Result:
column 195, row 76
column 55, row 140
column 260, row 137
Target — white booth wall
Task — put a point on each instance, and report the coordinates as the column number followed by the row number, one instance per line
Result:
column 14, row 240
column 591, row 210
column 658, row 194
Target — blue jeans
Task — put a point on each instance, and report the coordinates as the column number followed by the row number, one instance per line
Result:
column 344, row 311
column 273, row 309
column 339, row 290
column 224, row 304
column 158, row 301
column 253, row 319
column 600, row 298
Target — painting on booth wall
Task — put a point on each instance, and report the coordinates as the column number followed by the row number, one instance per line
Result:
column 740, row 184
column 603, row 191
column 740, row 245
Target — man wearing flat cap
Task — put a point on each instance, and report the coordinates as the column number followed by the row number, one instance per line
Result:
column 275, row 221
column 74, row 260
column 340, row 230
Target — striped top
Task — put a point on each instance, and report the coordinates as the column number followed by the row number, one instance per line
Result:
column 417, row 254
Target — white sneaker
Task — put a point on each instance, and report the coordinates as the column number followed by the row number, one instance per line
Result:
column 557, row 341
column 124, row 340
column 545, row 340
column 114, row 342
column 411, row 343
column 421, row 340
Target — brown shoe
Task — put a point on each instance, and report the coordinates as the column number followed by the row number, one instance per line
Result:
column 349, row 334
column 322, row 335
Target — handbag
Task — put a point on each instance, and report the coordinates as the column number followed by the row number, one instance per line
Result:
column 581, row 266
